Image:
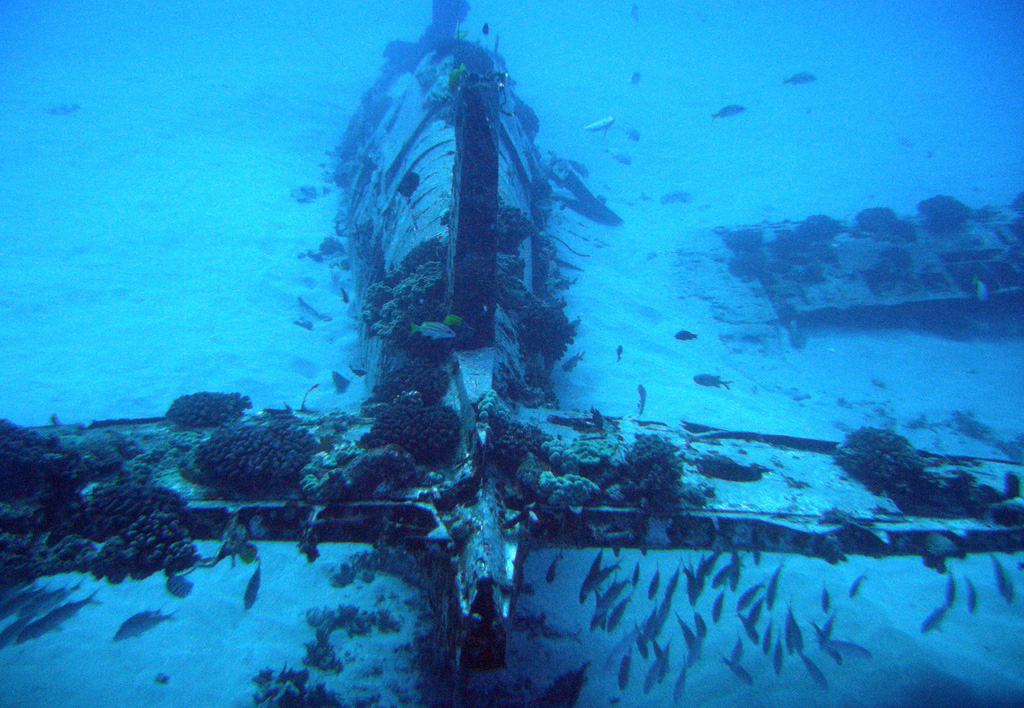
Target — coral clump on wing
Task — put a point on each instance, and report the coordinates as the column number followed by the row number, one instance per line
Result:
column 206, row 409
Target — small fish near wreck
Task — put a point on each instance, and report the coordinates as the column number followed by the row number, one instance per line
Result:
column 139, row 623
column 599, row 125
column 572, row 361
column 552, row 571
column 252, row 589
column 52, row 620
column 730, row 110
column 1003, row 582
column 624, row 671
column 802, row 78
column 685, row 335
column 178, row 586
column 434, row 330
column 855, row 586
column 711, row 380
column 815, row 672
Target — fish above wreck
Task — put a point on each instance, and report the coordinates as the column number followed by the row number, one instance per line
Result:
column 52, row 620
column 139, row 623
column 801, row 78
column 711, row 380
column 730, row 110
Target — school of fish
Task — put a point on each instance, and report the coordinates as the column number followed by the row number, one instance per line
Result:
column 772, row 628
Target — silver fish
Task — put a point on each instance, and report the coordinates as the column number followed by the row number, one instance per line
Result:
column 652, row 587
column 755, row 612
column 777, row 657
column 751, row 629
column 773, row 587
column 680, row 686
column 741, row 673
column 590, row 582
column 716, row 609
column 648, row 630
column 252, row 589
column 849, row 648
column 932, row 621
column 11, row 631
column 621, row 647
column 434, row 330
column 659, row 667
column 721, row 577
column 766, row 638
column 826, row 601
column 826, row 628
column 45, row 601
column 833, row 653
column 594, row 580
column 694, row 585
column 692, row 643
column 616, row 614
column 972, row 595
column 950, row 591
column 802, row 78
column 670, row 589
column 794, row 638
column 824, row 633
column 706, row 565
column 553, row 569
column 42, row 602
column 572, row 361
column 730, row 110
column 53, row 619
column 641, row 644
column 660, row 616
column 733, row 663
column 624, row 671
column 815, row 672
column 855, row 587
column 652, row 671
column 139, row 623
column 605, row 600
column 1003, row 581
column 700, row 626
column 734, row 576
column 663, row 668
column 748, row 597
column 17, row 599
column 737, row 651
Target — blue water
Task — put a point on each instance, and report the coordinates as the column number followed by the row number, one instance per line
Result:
column 148, row 243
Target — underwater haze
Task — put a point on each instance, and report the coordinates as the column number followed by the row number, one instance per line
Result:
column 167, row 174
column 149, row 236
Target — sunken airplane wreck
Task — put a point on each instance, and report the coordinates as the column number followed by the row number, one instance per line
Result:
column 459, row 458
